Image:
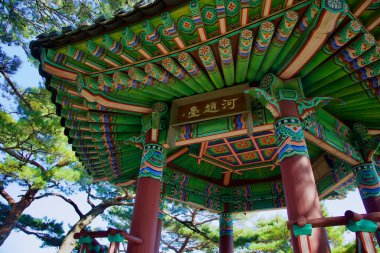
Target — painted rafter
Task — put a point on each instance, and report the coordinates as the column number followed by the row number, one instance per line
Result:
column 280, row 37
column 301, row 30
column 152, row 35
column 362, row 6
column 327, row 22
column 128, row 36
column 348, row 60
column 334, row 43
column 267, row 4
column 181, row 74
column 221, row 12
column 171, row 28
column 197, row 19
column 133, row 42
column 107, row 64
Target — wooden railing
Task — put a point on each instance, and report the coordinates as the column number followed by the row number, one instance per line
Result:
column 89, row 244
column 364, row 225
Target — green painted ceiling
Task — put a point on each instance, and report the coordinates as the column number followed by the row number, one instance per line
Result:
column 105, row 77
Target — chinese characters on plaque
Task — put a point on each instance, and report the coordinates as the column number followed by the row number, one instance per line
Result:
column 212, row 108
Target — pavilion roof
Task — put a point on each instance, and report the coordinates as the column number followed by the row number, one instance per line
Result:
column 105, row 77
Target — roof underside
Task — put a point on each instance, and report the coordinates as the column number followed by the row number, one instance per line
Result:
column 105, row 78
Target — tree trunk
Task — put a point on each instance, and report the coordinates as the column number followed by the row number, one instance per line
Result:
column 69, row 242
column 14, row 214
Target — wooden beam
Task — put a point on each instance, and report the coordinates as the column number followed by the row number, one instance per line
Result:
column 58, row 72
column 232, row 151
column 227, row 178
column 177, row 154
column 253, row 168
column 373, row 131
column 242, row 182
column 320, row 143
column 101, row 179
column 336, row 186
column 127, row 183
column 211, row 160
column 362, row 7
column 209, row 138
column 257, row 147
column 176, row 167
column 111, row 104
column 257, row 129
column 326, row 24
column 248, row 151
column 202, row 151
column 232, row 183
column 373, row 24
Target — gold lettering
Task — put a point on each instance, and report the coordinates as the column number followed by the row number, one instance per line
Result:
column 229, row 103
column 211, row 108
column 193, row 113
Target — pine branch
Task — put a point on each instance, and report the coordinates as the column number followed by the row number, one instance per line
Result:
column 89, row 196
column 206, row 221
column 39, row 235
column 63, row 164
column 119, row 200
column 89, row 201
column 191, row 226
column 22, row 158
column 67, row 200
column 6, row 195
column 14, row 88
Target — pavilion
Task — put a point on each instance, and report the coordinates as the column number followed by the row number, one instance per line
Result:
column 228, row 105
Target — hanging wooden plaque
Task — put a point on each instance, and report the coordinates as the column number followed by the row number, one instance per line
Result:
column 211, row 105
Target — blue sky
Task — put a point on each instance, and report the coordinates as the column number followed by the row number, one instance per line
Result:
column 57, row 209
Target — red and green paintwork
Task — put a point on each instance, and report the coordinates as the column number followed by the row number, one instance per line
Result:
column 105, row 85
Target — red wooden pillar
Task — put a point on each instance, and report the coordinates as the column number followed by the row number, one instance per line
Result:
column 297, row 175
column 368, row 183
column 226, row 234
column 147, row 202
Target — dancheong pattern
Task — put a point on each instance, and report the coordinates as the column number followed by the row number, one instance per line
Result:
column 209, row 15
column 186, row 25
column 232, row 7
column 367, row 180
column 106, row 76
column 153, row 161
column 225, row 224
column 278, row 191
column 290, row 138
